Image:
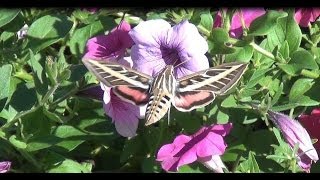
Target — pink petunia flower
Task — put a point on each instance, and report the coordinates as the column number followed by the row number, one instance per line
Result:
column 294, row 133
column 113, row 47
column 205, row 146
column 5, row 166
column 157, row 44
column 248, row 15
column 312, row 124
column 304, row 16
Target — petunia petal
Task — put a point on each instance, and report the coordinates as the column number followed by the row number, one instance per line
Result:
column 124, row 115
column 5, row 166
column 111, row 45
column 193, row 63
column 186, row 38
column 148, row 33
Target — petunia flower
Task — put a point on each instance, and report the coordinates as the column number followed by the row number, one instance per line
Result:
column 205, row 146
column 294, row 133
column 125, row 115
column 304, row 16
column 247, row 14
column 312, row 124
column 5, row 166
column 157, row 44
column 113, row 47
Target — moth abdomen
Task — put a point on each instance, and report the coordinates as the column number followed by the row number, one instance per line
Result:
column 157, row 107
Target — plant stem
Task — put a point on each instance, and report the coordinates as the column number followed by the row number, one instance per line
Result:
column 235, row 165
column 65, row 96
column 262, row 51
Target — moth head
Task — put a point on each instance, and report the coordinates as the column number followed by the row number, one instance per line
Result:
column 170, row 69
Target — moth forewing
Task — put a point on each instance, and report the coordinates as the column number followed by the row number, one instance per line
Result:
column 113, row 74
column 217, row 79
column 199, row 89
column 128, row 84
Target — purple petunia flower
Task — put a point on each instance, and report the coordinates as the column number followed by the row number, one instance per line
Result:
column 157, row 44
column 248, row 15
column 113, row 47
column 294, row 133
column 304, row 16
column 205, row 146
column 5, row 166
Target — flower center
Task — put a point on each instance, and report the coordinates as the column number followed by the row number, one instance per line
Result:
column 170, row 55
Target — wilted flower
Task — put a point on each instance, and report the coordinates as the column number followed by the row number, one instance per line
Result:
column 248, row 16
column 294, row 133
column 23, row 31
column 92, row 10
column 157, row 44
column 5, row 166
column 312, row 124
column 205, row 146
column 304, row 16
column 113, row 47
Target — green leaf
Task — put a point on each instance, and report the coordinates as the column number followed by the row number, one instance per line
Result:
column 265, row 23
column 23, row 97
column 150, row 165
column 206, row 22
column 69, row 166
column 303, row 59
column 299, row 88
column 286, row 30
column 79, row 39
column 306, row 101
column 7, row 15
column 230, row 101
column 35, row 124
column 131, row 147
column 17, row 142
column 193, row 168
column 242, row 54
column 6, row 35
column 40, row 80
column 277, row 95
column 284, row 50
column 5, row 76
column 284, row 107
column 46, row 31
column 222, row 117
column 250, row 165
column 217, row 42
column 256, row 76
column 72, row 137
column 42, row 142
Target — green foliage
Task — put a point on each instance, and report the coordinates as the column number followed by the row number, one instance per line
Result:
column 46, row 126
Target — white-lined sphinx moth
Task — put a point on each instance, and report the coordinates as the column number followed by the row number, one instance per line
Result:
column 186, row 93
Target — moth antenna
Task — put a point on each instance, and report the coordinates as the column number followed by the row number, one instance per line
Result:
column 122, row 19
column 179, row 63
